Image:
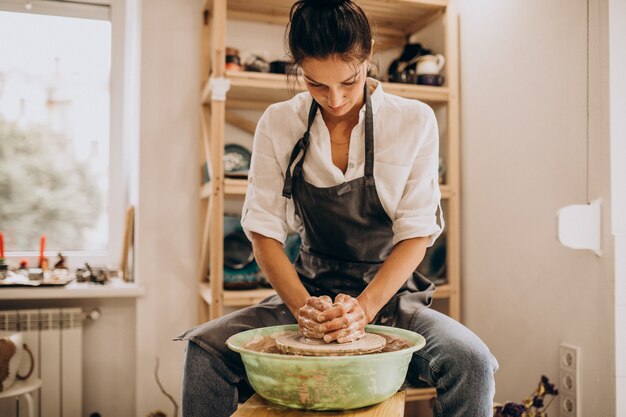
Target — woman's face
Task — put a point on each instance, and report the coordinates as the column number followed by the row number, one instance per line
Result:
column 335, row 84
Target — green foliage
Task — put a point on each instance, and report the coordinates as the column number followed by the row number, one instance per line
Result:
column 44, row 189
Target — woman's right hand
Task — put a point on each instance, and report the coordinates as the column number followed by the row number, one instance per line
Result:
column 311, row 317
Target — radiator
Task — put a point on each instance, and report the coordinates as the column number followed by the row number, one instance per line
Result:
column 54, row 335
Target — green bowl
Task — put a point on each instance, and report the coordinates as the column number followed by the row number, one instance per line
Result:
column 325, row 382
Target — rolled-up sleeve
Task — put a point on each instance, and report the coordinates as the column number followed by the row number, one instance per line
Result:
column 264, row 208
column 416, row 215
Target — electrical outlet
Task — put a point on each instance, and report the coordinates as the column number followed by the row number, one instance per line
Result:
column 569, row 380
column 568, row 406
column 569, row 357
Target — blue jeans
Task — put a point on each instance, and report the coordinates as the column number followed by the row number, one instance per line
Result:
column 454, row 361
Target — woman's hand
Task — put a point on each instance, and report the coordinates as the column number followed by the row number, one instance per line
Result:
column 342, row 321
column 311, row 317
column 346, row 320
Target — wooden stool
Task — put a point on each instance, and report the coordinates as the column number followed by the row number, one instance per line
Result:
column 256, row 406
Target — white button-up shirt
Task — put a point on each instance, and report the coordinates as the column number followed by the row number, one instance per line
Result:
column 406, row 161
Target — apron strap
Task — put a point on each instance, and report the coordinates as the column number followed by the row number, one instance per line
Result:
column 369, row 138
column 301, row 147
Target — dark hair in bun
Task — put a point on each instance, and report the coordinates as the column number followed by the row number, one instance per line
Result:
column 321, row 28
column 324, row 3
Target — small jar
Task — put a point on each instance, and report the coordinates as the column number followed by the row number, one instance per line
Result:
column 233, row 62
column 4, row 270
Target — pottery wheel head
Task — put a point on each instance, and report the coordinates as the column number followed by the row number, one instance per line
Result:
column 300, row 345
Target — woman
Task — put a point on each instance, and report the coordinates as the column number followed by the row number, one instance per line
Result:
column 355, row 171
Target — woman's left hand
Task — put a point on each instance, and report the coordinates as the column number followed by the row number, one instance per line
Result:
column 348, row 317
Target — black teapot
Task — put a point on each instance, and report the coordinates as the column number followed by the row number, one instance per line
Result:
column 404, row 68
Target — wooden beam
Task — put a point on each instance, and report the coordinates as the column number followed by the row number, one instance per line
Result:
column 423, row 23
column 273, row 19
column 237, row 298
column 127, row 245
column 247, row 104
column 216, row 261
column 453, row 158
column 218, row 35
column 206, row 208
column 234, row 186
column 420, row 394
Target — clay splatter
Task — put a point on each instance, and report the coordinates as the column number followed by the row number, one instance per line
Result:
column 267, row 344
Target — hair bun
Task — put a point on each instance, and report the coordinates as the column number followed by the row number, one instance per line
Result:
column 325, row 3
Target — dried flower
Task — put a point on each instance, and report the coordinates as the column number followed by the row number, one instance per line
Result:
column 549, row 388
column 533, row 406
column 511, row 409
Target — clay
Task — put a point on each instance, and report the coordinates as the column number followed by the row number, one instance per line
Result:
column 267, row 344
column 395, row 343
column 300, row 345
column 263, row 344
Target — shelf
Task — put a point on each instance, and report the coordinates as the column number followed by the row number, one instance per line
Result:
column 237, row 298
column 446, row 191
column 244, row 298
column 232, row 186
column 73, row 290
column 239, row 187
column 425, row 93
column 391, row 20
column 256, row 90
column 444, row 291
column 235, row 186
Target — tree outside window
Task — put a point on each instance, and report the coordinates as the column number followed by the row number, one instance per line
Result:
column 54, row 131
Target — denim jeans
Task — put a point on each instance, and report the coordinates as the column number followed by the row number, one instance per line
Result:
column 454, row 361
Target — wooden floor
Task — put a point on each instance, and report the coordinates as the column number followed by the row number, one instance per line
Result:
column 258, row 407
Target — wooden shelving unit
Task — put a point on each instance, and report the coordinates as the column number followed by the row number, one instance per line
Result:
column 257, row 90
column 221, row 90
column 395, row 19
column 240, row 186
column 236, row 298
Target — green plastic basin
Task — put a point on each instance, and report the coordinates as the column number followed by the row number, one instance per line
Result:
column 325, row 382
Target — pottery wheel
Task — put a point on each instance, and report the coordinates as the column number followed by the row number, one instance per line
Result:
column 300, row 345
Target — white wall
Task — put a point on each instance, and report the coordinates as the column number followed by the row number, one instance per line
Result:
column 617, row 76
column 167, row 224
column 524, row 155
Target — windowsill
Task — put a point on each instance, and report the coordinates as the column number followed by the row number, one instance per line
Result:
column 74, row 290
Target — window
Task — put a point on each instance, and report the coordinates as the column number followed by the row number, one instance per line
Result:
column 55, row 101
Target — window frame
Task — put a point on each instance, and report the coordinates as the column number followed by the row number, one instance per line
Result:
column 119, row 148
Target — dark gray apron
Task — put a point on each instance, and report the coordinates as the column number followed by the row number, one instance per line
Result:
column 347, row 236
